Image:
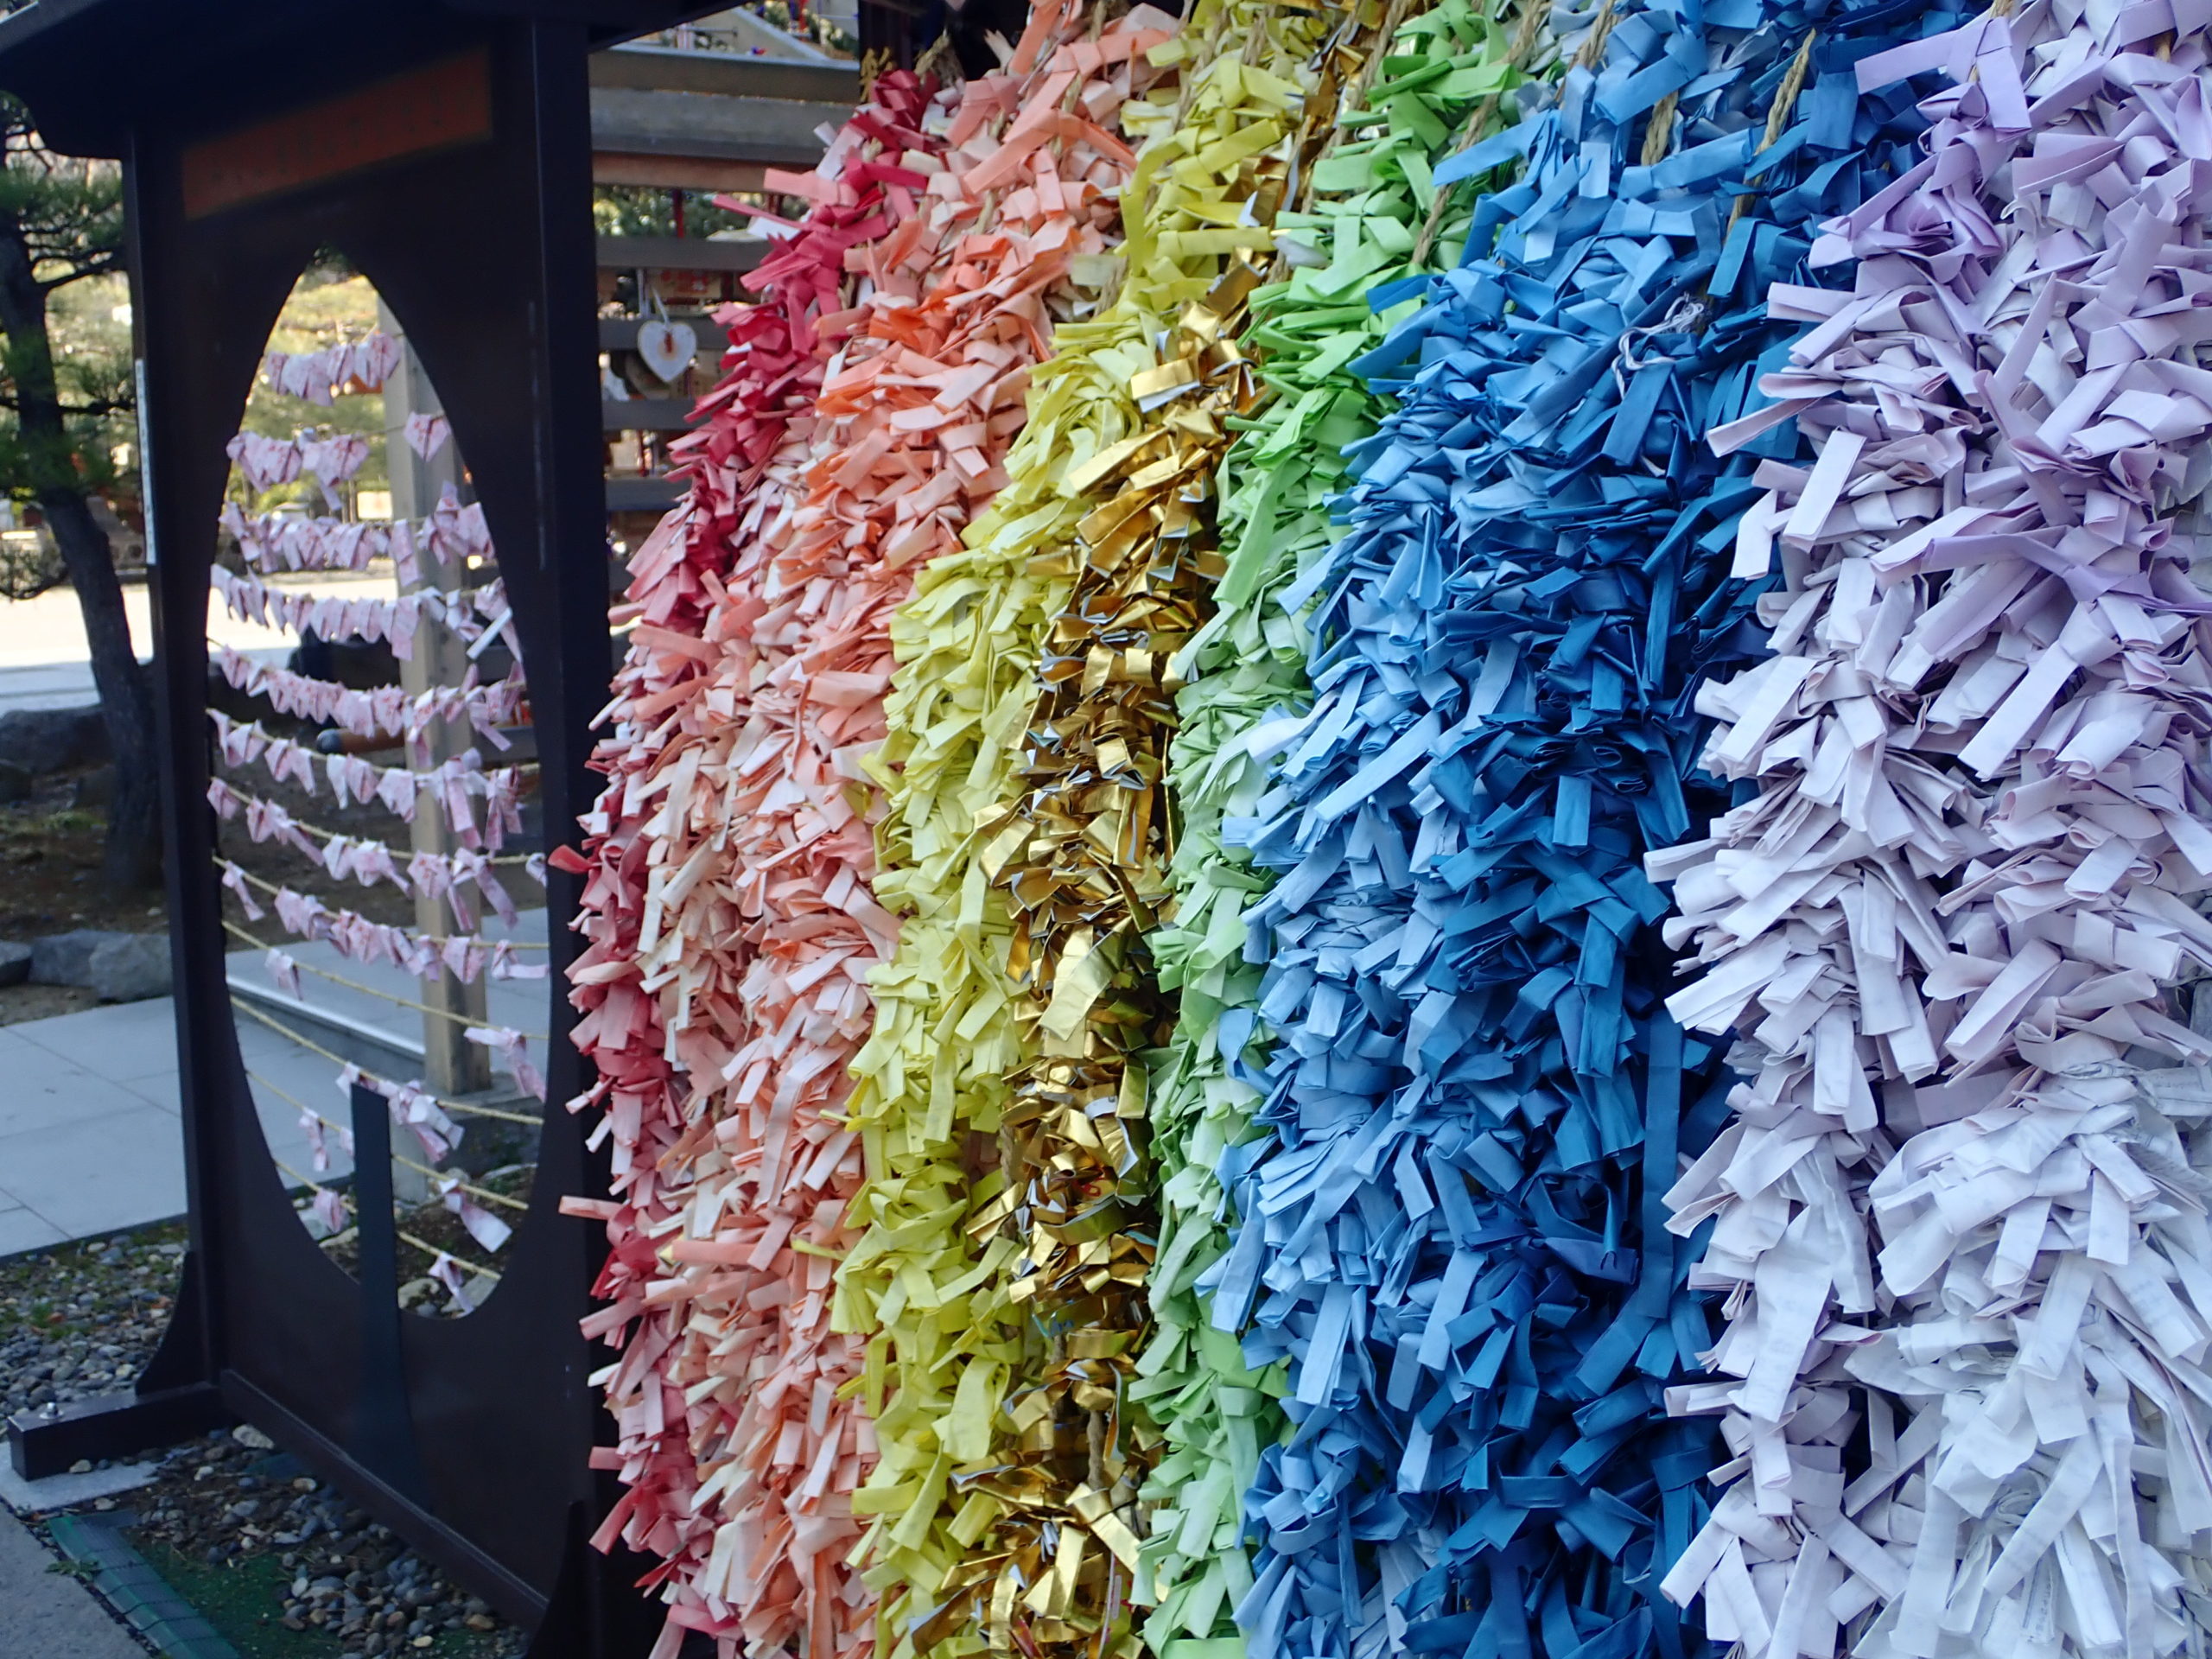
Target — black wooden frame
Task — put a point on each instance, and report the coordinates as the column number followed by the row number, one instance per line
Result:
column 471, row 1438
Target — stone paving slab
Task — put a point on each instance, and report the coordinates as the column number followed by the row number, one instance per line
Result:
column 135, row 1039
column 23, row 1230
column 65, row 1491
column 49, row 1615
column 90, row 1138
column 103, row 1173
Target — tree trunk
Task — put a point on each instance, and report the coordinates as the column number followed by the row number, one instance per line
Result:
column 133, row 854
column 132, row 858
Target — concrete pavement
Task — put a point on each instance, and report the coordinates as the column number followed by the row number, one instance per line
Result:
column 49, row 1615
column 45, row 663
column 91, row 1139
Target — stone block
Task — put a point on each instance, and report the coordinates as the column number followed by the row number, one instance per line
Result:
column 66, row 958
column 130, row 967
column 41, row 741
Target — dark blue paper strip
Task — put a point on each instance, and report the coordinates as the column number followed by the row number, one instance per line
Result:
column 1451, row 1230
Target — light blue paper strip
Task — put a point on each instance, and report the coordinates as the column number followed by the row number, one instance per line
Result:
column 1451, row 1232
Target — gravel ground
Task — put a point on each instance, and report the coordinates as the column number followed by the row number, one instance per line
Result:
column 80, row 1320
column 229, row 1498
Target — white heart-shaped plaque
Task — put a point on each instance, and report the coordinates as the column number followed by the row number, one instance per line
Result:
column 667, row 347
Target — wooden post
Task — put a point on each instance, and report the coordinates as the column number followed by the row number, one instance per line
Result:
column 451, row 1064
column 383, row 1435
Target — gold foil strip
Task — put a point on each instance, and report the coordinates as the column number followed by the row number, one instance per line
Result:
column 1083, row 852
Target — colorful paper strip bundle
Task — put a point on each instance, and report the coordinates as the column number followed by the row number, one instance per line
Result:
column 1158, row 1099
column 911, row 430
column 758, row 1557
column 1957, row 1213
column 1081, row 844
column 1371, row 201
column 1450, row 1234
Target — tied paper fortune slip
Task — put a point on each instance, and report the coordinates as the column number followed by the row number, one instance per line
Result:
column 1038, row 146
column 657, row 1070
column 1444, row 74
column 1449, row 1231
column 768, row 926
column 1424, row 1138
column 1082, row 846
column 1959, row 1215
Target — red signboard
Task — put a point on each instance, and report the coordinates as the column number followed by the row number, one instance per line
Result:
column 446, row 104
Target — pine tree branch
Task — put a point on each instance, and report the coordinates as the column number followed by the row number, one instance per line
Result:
column 81, row 267
column 97, row 409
